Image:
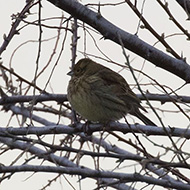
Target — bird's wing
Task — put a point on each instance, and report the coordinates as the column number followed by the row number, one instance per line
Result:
column 118, row 86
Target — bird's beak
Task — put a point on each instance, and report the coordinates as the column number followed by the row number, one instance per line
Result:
column 70, row 73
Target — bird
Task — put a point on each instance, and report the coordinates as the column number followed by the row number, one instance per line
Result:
column 100, row 94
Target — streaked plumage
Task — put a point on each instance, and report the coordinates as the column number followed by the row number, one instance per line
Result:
column 99, row 94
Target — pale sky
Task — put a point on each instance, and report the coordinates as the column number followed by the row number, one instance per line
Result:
column 24, row 59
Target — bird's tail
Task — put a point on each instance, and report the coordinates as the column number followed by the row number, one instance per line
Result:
column 144, row 119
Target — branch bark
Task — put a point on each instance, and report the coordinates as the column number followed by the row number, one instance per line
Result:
column 60, row 98
column 178, row 67
column 114, row 126
column 84, row 172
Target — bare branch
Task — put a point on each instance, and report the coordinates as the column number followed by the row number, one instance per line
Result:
column 109, row 31
column 13, row 30
column 84, row 172
column 60, row 98
column 114, row 126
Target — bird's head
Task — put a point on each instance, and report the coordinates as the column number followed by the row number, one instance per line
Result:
column 84, row 67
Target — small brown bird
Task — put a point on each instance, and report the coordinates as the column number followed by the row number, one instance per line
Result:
column 100, row 95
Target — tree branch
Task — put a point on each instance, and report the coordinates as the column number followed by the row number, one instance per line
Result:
column 63, row 97
column 13, row 30
column 114, row 126
column 57, row 160
column 84, row 172
column 178, row 67
column 34, row 98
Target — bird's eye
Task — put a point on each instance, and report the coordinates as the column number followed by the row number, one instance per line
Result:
column 78, row 70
